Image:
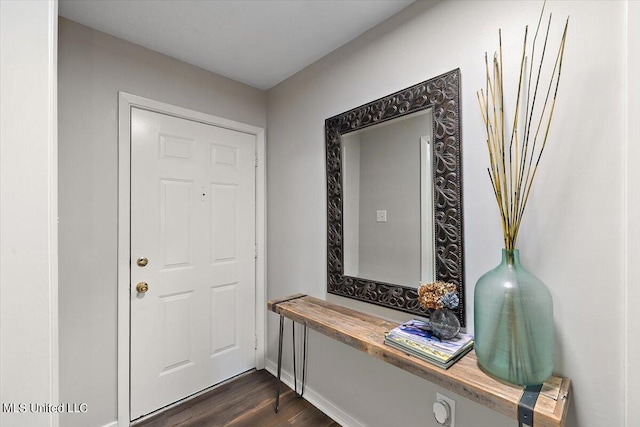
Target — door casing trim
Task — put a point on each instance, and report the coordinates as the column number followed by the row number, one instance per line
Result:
column 127, row 101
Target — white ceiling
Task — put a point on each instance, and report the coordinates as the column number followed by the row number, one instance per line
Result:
column 257, row 42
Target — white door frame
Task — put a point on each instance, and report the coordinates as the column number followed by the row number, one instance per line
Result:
column 125, row 103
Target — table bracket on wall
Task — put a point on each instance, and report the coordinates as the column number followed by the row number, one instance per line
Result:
column 527, row 403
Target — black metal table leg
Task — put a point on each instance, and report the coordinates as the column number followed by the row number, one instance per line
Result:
column 279, row 363
column 304, row 361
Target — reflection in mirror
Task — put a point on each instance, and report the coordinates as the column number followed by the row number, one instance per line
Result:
column 388, row 201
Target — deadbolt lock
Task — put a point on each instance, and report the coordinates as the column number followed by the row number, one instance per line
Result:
column 142, row 262
column 142, row 287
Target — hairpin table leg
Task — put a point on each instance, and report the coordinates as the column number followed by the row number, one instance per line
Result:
column 304, row 361
column 279, row 363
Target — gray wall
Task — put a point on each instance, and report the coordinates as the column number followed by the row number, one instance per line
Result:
column 572, row 235
column 93, row 67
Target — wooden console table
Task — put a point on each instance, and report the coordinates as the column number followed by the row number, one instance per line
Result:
column 366, row 333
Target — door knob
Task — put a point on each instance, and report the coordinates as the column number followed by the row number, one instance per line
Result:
column 142, row 262
column 142, row 287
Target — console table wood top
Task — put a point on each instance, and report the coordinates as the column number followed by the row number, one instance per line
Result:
column 366, row 333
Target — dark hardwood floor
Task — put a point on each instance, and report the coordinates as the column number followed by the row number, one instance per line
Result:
column 244, row 402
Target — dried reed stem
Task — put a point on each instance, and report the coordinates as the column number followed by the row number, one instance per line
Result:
column 513, row 161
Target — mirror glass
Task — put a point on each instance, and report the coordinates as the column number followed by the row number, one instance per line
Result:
column 388, row 201
column 394, row 196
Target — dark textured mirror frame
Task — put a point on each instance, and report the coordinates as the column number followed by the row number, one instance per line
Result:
column 442, row 94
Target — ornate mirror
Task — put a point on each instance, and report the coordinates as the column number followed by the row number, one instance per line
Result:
column 394, row 196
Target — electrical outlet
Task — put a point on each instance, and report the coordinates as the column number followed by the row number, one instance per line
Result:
column 452, row 408
column 381, row 216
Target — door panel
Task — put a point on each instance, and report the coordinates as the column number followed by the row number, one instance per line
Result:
column 176, row 331
column 224, row 211
column 193, row 218
column 224, row 303
column 176, row 216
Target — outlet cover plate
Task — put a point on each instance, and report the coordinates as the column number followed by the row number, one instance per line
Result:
column 452, row 407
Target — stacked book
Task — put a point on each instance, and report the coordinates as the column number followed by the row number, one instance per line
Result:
column 415, row 338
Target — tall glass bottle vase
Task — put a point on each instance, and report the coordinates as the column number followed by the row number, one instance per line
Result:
column 513, row 323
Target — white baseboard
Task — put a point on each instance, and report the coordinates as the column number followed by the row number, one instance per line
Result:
column 316, row 399
column 113, row 424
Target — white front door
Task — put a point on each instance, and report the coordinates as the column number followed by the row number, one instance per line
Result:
column 193, row 219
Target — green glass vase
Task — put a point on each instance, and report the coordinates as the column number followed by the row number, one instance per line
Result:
column 513, row 323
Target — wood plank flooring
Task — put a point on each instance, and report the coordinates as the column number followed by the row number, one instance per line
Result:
column 245, row 402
